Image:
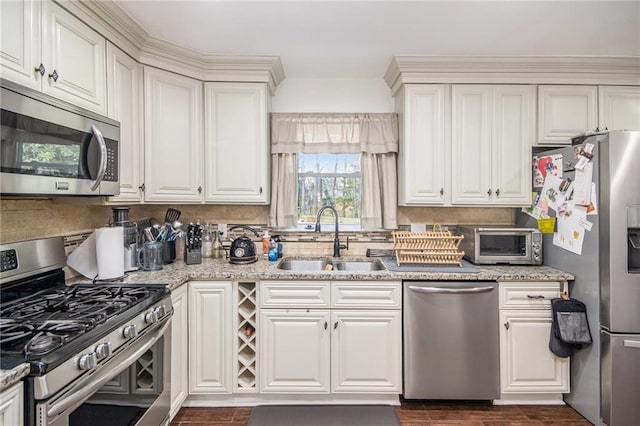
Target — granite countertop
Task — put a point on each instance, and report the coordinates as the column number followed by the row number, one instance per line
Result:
column 9, row 377
column 178, row 273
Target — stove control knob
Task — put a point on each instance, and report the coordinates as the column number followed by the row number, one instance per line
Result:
column 88, row 361
column 161, row 311
column 151, row 317
column 129, row 331
column 103, row 350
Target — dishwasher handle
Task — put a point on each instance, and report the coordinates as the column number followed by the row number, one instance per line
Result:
column 449, row 290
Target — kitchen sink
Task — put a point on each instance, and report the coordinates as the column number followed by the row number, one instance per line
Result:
column 358, row 265
column 303, row 264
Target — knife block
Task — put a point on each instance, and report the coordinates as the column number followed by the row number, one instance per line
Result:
column 192, row 257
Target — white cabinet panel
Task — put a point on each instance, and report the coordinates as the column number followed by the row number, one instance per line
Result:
column 527, row 363
column 173, row 137
column 237, row 143
column 20, row 41
column 366, row 351
column 294, row 351
column 566, row 111
column 424, row 144
column 619, row 107
column 210, row 344
column 179, row 348
column 11, row 406
column 125, row 97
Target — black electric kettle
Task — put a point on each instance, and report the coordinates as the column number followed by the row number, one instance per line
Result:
column 243, row 249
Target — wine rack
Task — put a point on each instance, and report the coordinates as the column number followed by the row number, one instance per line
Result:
column 246, row 340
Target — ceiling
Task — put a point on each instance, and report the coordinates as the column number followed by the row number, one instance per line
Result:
column 357, row 39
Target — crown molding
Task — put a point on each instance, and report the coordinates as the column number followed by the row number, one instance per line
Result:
column 115, row 25
column 617, row 70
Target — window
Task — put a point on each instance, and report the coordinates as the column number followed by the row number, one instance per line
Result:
column 329, row 179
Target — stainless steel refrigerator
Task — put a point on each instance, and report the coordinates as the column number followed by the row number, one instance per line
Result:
column 605, row 376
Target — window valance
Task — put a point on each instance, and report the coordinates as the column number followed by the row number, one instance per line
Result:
column 373, row 133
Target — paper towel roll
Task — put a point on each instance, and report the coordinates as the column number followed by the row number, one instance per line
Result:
column 101, row 256
column 110, row 252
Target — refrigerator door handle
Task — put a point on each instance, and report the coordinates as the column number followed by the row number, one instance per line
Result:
column 631, row 343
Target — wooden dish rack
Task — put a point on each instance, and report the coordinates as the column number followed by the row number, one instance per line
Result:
column 434, row 248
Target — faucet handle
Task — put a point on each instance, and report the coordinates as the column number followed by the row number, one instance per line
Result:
column 345, row 246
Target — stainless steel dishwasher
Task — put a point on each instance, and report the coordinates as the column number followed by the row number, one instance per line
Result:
column 451, row 340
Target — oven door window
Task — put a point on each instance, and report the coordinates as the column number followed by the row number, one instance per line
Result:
column 127, row 398
column 493, row 245
column 34, row 147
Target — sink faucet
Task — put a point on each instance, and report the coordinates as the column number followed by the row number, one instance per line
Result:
column 336, row 239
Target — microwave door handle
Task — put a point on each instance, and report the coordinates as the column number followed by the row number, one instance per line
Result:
column 103, row 157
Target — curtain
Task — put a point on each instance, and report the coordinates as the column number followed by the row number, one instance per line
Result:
column 373, row 135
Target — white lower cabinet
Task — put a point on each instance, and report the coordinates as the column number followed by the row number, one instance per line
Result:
column 179, row 348
column 11, row 406
column 354, row 347
column 527, row 366
column 210, row 339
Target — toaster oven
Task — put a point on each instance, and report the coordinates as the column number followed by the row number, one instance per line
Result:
column 490, row 245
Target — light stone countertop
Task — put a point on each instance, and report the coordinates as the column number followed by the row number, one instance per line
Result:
column 178, row 273
column 9, row 377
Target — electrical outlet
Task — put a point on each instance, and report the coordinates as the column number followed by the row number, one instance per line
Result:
column 222, row 228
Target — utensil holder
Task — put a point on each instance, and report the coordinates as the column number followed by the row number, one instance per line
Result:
column 168, row 251
column 192, row 257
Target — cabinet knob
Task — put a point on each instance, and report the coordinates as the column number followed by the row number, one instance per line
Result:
column 335, row 325
column 325, row 325
column 506, row 325
column 142, row 187
column 441, row 191
column 54, row 76
column 200, row 190
column 41, row 70
column 497, row 192
column 489, row 192
column 260, row 190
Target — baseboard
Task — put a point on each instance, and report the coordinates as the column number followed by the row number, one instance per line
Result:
column 238, row 400
column 530, row 399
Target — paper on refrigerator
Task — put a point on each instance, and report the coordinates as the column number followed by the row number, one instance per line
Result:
column 571, row 228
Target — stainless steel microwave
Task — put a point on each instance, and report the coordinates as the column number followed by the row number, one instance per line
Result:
column 52, row 148
column 490, row 245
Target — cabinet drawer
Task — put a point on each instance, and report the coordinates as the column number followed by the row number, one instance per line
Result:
column 365, row 294
column 528, row 295
column 294, row 294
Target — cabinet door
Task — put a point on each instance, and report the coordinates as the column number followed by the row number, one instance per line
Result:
column 471, row 144
column 210, row 344
column 294, row 351
column 11, row 406
column 172, row 137
column 512, row 137
column 179, row 348
column 424, row 144
column 527, row 364
column 236, row 143
column 20, row 42
column 74, row 56
column 125, row 95
column 619, row 107
column 566, row 111
column 366, row 351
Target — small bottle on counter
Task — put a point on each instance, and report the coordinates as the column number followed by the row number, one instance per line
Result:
column 218, row 249
column 207, row 243
column 180, row 246
column 266, row 238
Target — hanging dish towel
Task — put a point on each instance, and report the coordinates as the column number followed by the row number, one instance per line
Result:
column 569, row 326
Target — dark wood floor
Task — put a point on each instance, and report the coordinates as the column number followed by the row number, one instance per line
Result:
column 416, row 414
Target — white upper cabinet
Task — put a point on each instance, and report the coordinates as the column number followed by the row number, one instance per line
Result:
column 47, row 48
column 237, row 143
column 492, row 134
column 173, row 137
column 566, row 111
column 125, row 97
column 619, row 107
column 424, row 142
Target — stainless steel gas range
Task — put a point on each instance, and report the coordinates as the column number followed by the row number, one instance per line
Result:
column 99, row 353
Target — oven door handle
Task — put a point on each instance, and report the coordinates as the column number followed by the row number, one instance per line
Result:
column 82, row 391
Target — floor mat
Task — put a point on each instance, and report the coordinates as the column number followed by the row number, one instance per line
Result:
column 323, row 415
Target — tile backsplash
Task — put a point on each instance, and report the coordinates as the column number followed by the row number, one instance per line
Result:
column 22, row 219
